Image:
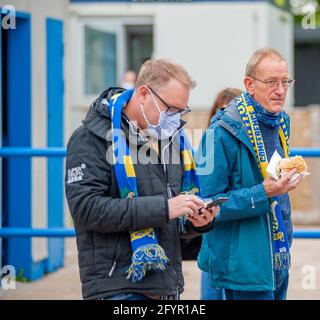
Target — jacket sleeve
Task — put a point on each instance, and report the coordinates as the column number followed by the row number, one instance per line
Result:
column 190, row 231
column 243, row 202
column 88, row 182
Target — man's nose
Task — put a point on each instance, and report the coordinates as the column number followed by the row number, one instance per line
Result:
column 281, row 90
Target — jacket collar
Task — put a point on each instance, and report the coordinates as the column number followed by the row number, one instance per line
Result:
column 231, row 121
column 99, row 123
column 97, row 119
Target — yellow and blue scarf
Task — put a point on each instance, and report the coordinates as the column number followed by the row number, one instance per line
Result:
column 147, row 253
column 246, row 108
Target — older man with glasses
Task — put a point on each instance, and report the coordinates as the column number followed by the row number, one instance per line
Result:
column 248, row 251
column 130, row 202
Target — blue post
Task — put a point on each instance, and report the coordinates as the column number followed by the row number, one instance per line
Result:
column 55, row 138
column 1, row 111
column 19, row 176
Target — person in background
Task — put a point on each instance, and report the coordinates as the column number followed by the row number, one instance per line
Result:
column 221, row 101
column 208, row 291
column 128, row 80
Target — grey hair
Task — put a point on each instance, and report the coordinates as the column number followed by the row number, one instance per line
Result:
column 256, row 58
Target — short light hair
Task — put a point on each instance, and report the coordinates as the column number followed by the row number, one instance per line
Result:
column 258, row 56
column 157, row 72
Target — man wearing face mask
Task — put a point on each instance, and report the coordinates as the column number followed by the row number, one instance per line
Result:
column 130, row 185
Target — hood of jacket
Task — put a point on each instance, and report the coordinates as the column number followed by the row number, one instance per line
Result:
column 230, row 119
column 98, row 119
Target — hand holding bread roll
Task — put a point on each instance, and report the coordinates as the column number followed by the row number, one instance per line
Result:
column 275, row 187
column 279, row 167
column 287, row 164
column 284, row 174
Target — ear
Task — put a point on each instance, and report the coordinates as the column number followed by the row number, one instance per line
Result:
column 142, row 93
column 248, row 83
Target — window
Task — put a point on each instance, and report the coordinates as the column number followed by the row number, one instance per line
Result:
column 100, row 60
column 139, row 41
column 108, row 46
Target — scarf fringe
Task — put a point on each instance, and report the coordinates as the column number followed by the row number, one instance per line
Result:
column 281, row 261
column 144, row 258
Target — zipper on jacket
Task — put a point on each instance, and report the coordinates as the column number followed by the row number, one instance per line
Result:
column 227, row 127
column 114, row 259
column 177, row 293
column 169, row 193
column 252, row 202
column 271, row 252
column 112, row 269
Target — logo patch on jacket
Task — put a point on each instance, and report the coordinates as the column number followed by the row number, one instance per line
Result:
column 76, row 174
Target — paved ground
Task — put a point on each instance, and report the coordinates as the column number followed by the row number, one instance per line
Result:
column 65, row 283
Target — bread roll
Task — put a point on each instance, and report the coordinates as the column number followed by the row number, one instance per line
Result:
column 297, row 162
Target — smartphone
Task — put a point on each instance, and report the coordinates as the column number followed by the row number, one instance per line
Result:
column 217, row 202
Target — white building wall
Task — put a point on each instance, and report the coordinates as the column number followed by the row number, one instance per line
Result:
column 281, row 27
column 39, row 10
column 213, row 40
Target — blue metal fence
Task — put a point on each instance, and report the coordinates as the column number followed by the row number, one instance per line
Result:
column 12, row 152
column 9, row 232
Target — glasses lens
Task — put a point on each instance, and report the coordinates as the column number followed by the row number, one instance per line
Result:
column 290, row 82
column 172, row 111
column 272, row 84
column 185, row 111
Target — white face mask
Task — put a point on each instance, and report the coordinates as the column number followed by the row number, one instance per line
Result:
column 166, row 126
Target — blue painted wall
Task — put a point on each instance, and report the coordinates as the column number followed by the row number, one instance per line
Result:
column 19, row 175
column 18, row 182
column 55, row 111
column 1, row 142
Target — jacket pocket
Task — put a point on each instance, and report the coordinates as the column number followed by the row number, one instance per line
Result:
column 121, row 255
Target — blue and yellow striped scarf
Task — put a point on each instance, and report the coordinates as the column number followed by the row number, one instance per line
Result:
column 245, row 105
column 147, row 253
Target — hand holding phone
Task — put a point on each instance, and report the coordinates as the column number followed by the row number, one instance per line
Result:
column 216, row 202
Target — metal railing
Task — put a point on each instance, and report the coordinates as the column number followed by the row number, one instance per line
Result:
column 10, row 232
column 14, row 152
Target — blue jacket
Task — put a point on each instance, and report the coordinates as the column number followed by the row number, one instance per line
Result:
column 237, row 253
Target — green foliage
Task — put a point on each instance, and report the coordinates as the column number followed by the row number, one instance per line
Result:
column 21, row 277
column 298, row 19
column 302, row 8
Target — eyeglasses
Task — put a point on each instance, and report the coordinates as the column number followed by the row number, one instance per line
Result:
column 275, row 83
column 171, row 110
